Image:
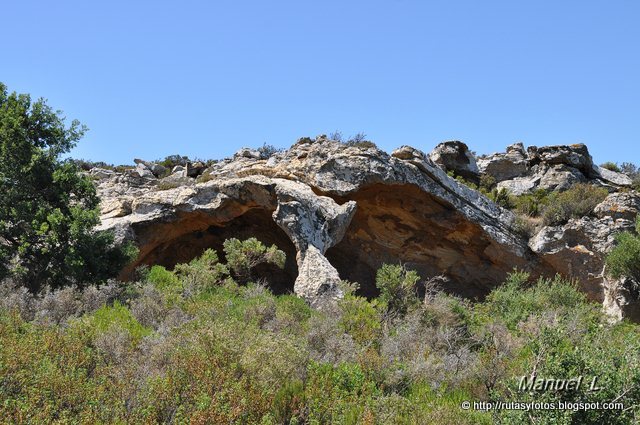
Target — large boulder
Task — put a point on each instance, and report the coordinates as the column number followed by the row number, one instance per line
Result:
column 194, row 169
column 143, row 171
column 248, row 153
column 558, row 177
column 620, row 205
column 576, row 156
column 615, row 178
column 505, row 166
column 157, row 170
column 454, row 156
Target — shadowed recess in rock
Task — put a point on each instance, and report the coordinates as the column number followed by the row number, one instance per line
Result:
column 402, row 224
column 182, row 246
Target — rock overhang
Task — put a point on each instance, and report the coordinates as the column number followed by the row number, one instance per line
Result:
column 345, row 209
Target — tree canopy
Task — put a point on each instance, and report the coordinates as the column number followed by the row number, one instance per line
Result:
column 48, row 209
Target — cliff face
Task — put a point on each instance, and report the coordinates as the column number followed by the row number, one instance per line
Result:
column 340, row 212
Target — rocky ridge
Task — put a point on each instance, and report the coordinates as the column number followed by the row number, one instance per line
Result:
column 340, row 212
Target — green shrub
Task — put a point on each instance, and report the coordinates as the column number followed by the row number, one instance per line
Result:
column 267, row 151
column 202, row 272
column 338, row 394
column 360, row 141
column 624, row 259
column 360, row 319
column 397, row 287
column 206, row 177
column 579, row 201
column 526, row 226
column 243, row 256
column 487, row 183
column 118, row 316
column 531, row 205
column 167, row 185
column 289, row 403
column 239, row 354
column 611, row 166
column 501, row 197
column 518, row 298
column 163, row 279
column 563, row 350
column 173, row 160
column 633, row 172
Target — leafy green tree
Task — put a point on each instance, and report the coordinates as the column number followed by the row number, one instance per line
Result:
column 48, row 210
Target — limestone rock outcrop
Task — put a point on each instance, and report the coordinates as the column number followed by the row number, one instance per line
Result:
column 514, row 163
column 549, row 168
column 578, row 249
column 340, row 212
column 337, row 211
column 454, row 156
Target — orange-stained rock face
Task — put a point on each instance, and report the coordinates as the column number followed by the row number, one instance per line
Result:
column 402, row 224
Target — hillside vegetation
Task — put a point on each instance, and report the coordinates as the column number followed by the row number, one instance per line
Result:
column 193, row 345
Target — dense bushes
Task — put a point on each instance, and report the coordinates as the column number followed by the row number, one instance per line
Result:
column 183, row 346
column 558, row 207
column 624, row 259
column 576, row 202
column 553, row 208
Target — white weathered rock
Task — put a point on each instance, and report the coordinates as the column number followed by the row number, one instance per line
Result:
column 505, row 166
column 619, row 179
column 455, row 156
column 248, row 153
column 624, row 205
column 576, row 156
column 549, row 168
column 157, row 169
column 520, row 185
column 314, row 224
column 408, row 210
column 622, row 298
column 578, row 249
column 558, row 177
column 101, row 173
column 144, row 172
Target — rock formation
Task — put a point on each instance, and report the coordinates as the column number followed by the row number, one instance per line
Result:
column 340, row 212
column 454, row 156
column 549, row 168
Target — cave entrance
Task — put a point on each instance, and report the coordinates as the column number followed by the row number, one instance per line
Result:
column 402, row 224
column 201, row 232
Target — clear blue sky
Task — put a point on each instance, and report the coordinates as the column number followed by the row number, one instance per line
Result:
column 204, row 78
